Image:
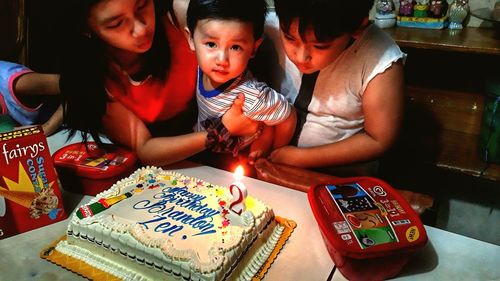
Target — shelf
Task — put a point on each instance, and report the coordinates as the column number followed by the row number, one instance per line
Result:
column 460, row 153
column 467, row 40
column 445, row 110
column 443, row 129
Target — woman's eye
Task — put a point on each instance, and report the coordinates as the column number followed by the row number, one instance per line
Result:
column 289, row 37
column 115, row 24
column 142, row 4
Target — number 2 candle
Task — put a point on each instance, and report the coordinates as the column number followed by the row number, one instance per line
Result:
column 239, row 192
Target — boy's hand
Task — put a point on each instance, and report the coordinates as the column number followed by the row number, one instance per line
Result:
column 290, row 155
column 254, row 155
column 236, row 122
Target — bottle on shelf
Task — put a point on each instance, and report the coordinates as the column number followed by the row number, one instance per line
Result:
column 385, row 15
column 459, row 9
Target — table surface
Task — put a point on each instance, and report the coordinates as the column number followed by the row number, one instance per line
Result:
column 447, row 256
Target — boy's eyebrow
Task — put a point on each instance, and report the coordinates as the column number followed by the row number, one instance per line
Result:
column 311, row 42
column 237, row 40
column 243, row 39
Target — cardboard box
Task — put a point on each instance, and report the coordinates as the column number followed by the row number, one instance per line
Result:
column 29, row 188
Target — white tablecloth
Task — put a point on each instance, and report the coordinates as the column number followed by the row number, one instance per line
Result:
column 447, row 256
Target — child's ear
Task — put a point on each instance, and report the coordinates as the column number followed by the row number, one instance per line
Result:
column 256, row 46
column 189, row 38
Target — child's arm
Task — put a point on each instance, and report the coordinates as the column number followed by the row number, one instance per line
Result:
column 273, row 137
column 37, row 84
column 54, row 122
column 262, row 145
column 284, row 131
column 383, row 102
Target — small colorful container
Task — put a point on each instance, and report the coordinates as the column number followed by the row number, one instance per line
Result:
column 90, row 169
column 369, row 229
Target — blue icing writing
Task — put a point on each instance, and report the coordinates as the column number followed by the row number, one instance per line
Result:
column 168, row 206
column 164, row 227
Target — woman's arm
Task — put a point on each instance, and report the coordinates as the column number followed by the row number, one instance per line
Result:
column 125, row 128
column 383, row 110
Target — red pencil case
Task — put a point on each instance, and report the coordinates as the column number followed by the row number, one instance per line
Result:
column 91, row 169
column 369, row 229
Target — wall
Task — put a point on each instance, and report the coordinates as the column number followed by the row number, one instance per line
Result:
column 471, row 21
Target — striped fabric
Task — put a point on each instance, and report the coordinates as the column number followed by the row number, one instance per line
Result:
column 262, row 103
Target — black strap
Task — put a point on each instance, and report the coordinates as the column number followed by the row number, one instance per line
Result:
column 302, row 102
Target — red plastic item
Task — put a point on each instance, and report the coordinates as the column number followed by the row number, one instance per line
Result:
column 369, row 229
column 92, row 169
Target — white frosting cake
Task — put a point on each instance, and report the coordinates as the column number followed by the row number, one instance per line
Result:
column 161, row 225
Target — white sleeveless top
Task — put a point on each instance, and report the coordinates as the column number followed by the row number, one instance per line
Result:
column 335, row 111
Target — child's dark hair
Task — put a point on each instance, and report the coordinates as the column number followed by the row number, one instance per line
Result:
column 84, row 66
column 328, row 18
column 252, row 11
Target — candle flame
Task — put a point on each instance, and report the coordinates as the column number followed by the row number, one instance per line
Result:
column 239, row 172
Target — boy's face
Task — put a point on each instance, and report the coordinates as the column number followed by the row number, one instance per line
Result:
column 308, row 54
column 223, row 49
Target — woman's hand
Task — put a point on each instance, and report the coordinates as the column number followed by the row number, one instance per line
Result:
column 236, row 123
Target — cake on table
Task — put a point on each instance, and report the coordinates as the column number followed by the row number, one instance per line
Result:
column 161, row 225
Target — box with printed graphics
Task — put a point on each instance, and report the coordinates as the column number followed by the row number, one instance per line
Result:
column 29, row 191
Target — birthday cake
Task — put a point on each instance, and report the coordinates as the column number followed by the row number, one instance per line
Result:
column 161, row 225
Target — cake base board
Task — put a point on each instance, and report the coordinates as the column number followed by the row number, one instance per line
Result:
column 87, row 271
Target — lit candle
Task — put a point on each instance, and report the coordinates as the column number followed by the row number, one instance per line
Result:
column 239, row 192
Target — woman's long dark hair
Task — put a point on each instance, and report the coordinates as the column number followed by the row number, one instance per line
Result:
column 84, row 66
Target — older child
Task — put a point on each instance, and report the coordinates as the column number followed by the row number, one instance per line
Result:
column 350, row 102
column 225, row 34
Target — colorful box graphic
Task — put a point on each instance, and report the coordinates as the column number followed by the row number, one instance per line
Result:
column 30, row 196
